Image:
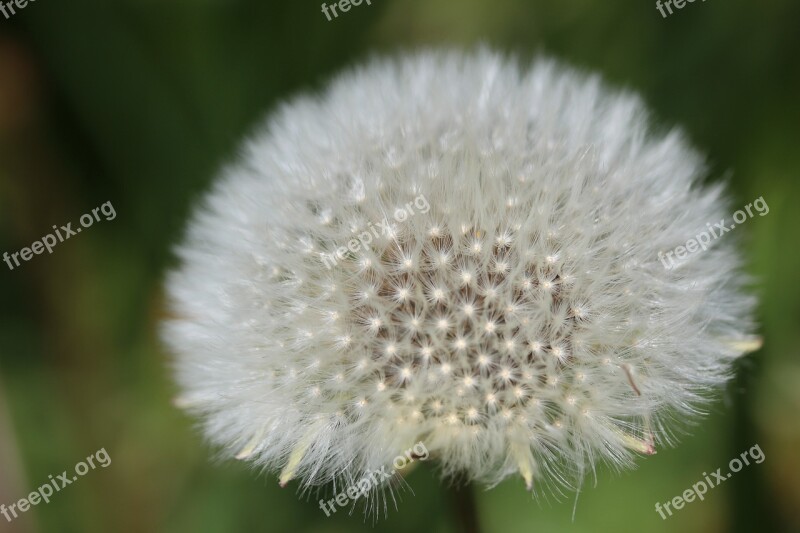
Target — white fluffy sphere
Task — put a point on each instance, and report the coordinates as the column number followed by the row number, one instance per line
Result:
column 447, row 248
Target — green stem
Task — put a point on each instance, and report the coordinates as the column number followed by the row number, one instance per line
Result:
column 465, row 509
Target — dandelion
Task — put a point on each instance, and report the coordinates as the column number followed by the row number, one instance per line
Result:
column 522, row 326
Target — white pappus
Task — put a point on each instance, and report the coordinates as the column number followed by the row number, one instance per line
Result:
column 523, row 324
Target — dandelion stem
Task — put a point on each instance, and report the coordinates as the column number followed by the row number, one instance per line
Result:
column 465, row 510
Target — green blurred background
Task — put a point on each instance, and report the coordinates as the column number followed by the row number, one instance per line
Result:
column 139, row 102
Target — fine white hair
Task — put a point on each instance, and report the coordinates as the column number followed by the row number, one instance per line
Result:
column 453, row 249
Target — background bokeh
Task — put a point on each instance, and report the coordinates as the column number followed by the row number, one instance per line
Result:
column 139, row 102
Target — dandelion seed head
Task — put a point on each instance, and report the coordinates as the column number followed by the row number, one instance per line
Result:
column 520, row 302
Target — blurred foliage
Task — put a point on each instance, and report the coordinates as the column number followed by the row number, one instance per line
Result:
column 139, row 102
